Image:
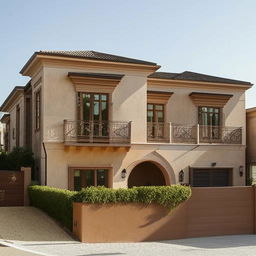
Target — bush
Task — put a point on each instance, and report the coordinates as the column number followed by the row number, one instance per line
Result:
column 17, row 158
column 167, row 196
column 57, row 203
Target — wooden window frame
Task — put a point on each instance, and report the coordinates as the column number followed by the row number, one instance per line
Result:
column 71, row 172
column 220, row 114
column 80, row 105
column 155, row 111
column 37, row 110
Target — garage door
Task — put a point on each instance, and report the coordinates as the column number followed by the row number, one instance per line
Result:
column 210, row 177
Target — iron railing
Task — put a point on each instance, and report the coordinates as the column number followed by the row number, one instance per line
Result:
column 193, row 134
column 220, row 134
column 184, row 133
column 111, row 132
column 158, row 131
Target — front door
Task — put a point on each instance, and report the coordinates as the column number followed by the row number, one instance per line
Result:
column 93, row 112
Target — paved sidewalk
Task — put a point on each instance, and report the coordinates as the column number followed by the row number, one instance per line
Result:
column 243, row 245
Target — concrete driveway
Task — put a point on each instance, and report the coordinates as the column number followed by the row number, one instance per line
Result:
column 29, row 224
column 244, row 245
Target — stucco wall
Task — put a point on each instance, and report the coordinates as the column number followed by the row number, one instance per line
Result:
column 172, row 158
column 60, row 101
column 181, row 110
column 128, row 103
column 19, row 102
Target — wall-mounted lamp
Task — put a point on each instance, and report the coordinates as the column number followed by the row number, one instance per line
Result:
column 213, row 164
column 241, row 171
column 123, row 173
column 181, row 176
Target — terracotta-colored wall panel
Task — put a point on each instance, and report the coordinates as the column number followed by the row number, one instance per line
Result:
column 210, row 211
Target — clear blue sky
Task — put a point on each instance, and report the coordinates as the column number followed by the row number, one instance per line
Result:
column 215, row 37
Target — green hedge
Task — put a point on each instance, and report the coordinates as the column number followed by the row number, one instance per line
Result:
column 57, row 203
column 168, row 196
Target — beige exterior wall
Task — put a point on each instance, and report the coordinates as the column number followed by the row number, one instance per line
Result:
column 173, row 158
column 37, row 148
column 13, row 136
column 128, row 103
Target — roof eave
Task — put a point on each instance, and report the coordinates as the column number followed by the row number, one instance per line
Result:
column 38, row 55
column 163, row 80
column 10, row 97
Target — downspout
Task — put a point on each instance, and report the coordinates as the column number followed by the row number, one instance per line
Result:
column 45, row 165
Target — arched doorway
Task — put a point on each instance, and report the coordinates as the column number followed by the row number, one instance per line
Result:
column 146, row 174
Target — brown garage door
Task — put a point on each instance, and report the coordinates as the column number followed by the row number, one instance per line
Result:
column 210, row 177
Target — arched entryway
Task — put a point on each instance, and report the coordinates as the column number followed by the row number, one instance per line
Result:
column 146, row 174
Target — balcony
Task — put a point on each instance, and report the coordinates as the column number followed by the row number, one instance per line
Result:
column 97, row 132
column 193, row 134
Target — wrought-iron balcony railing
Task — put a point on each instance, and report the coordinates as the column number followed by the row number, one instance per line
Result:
column 158, row 131
column 194, row 134
column 110, row 132
column 184, row 133
column 220, row 134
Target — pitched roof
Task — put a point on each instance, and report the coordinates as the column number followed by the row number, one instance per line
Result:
column 93, row 55
column 192, row 76
column 13, row 92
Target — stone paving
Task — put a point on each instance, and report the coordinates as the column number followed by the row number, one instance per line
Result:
column 244, row 245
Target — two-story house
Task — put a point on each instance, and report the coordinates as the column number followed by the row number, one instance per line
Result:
column 98, row 119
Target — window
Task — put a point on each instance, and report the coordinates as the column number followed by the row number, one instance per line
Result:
column 155, row 113
column 93, row 114
column 82, row 177
column 17, row 126
column 155, row 119
column 209, row 116
column 209, row 119
column 38, row 110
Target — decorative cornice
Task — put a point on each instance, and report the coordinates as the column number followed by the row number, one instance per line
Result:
column 88, row 82
column 210, row 99
column 195, row 84
column 158, row 97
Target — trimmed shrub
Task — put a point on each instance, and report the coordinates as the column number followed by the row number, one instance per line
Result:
column 57, row 203
column 167, row 196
